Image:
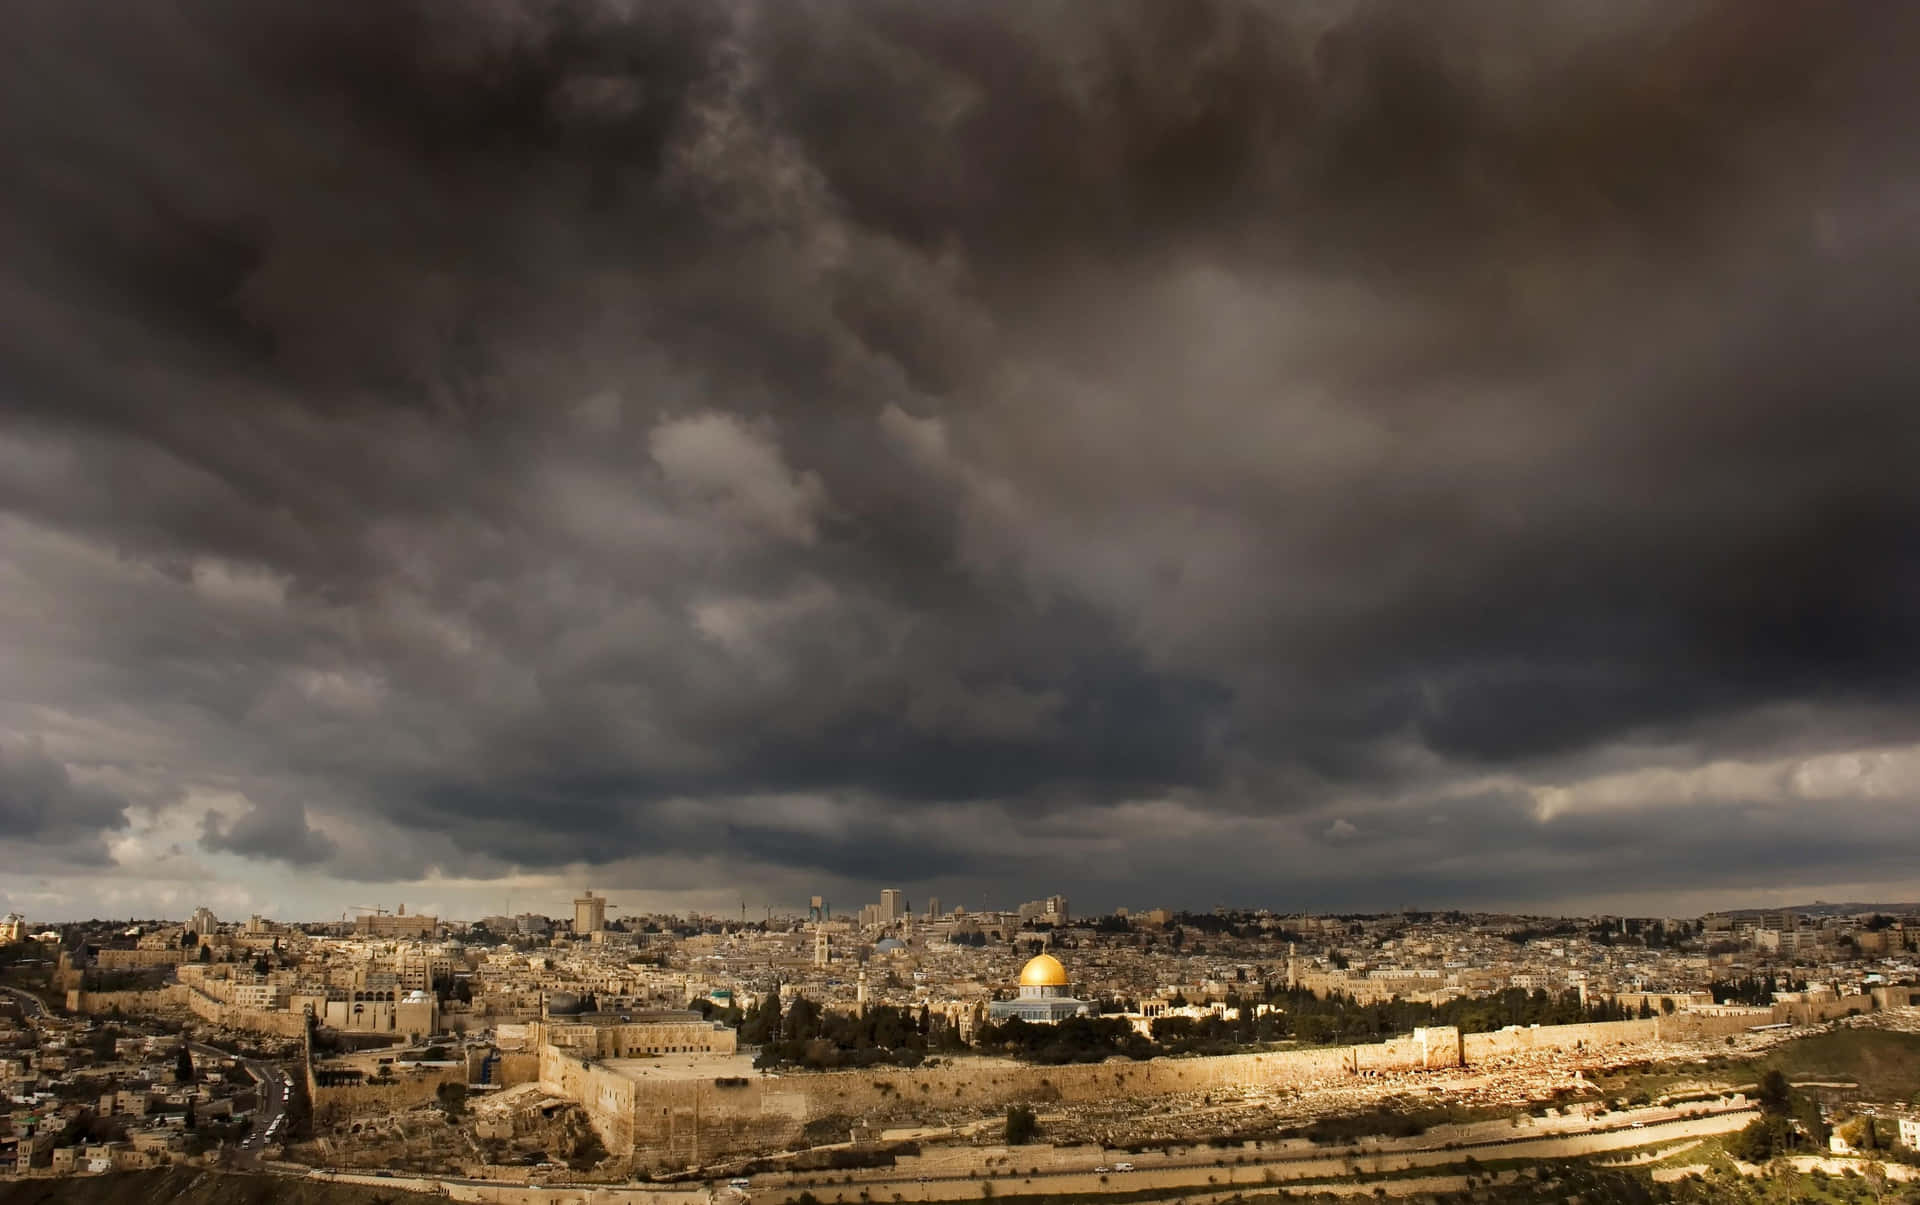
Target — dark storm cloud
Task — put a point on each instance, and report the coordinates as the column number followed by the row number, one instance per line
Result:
column 266, row 833
column 522, row 435
column 47, row 817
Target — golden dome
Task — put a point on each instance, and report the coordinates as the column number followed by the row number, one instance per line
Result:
column 1044, row 971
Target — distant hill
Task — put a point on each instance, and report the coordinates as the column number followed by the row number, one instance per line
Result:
column 1823, row 908
column 192, row 1186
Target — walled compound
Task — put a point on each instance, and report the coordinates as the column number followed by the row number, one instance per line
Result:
column 690, row 1111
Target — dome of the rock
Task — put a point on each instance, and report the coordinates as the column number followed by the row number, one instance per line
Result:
column 1044, row 971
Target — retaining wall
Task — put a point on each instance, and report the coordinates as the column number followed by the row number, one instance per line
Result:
column 278, row 1022
column 98, row 1003
column 407, row 1089
column 682, row 1122
column 677, row 1122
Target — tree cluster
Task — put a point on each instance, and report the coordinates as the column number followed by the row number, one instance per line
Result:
column 1753, row 989
column 1789, row 1121
column 1339, row 1018
column 801, row 1033
column 1074, row 1040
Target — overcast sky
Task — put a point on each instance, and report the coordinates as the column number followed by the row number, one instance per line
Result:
column 1310, row 455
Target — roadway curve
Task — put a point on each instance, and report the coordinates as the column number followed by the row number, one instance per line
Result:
column 275, row 1094
column 32, row 1005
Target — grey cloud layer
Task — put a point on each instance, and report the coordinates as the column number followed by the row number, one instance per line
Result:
column 522, row 435
column 46, row 815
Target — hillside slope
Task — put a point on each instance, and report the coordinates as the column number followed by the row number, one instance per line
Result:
column 191, row 1186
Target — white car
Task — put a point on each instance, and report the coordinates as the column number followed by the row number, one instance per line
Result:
column 1123, row 1167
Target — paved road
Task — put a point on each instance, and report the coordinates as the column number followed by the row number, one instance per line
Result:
column 276, row 1089
column 31, row 1004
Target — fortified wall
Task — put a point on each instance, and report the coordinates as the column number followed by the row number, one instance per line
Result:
column 400, row 1017
column 134, row 960
column 413, row 1086
column 688, row 1121
column 679, row 1122
column 103, row 1003
column 278, row 1022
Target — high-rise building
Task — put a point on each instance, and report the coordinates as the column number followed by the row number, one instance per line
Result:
column 933, row 907
column 893, row 905
column 589, row 914
column 204, row 922
column 399, row 924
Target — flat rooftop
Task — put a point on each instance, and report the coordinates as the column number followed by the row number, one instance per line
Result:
column 682, row 1066
column 703, row 1066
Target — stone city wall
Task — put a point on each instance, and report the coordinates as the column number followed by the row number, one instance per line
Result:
column 1718, row 1021
column 517, row 1069
column 680, row 1122
column 333, row 1103
column 277, row 1022
column 132, row 960
column 1501, row 1043
column 608, row 1097
column 100, row 1003
column 1821, row 1007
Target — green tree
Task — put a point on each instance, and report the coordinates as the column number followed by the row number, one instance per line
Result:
column 802, row 1020
column 1776, row 1094
column 1022, row 1125
column 183, row 1065
column 1757, row 1143
column 1859, row 1134
column 762, row 1023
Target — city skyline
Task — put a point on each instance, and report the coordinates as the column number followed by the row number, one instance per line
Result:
column 1322, row 458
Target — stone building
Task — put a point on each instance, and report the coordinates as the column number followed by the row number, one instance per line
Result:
column 1044, row 995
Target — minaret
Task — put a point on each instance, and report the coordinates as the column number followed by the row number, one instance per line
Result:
column 860, row 995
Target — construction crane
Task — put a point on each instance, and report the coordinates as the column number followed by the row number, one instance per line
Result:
column 375, row 911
